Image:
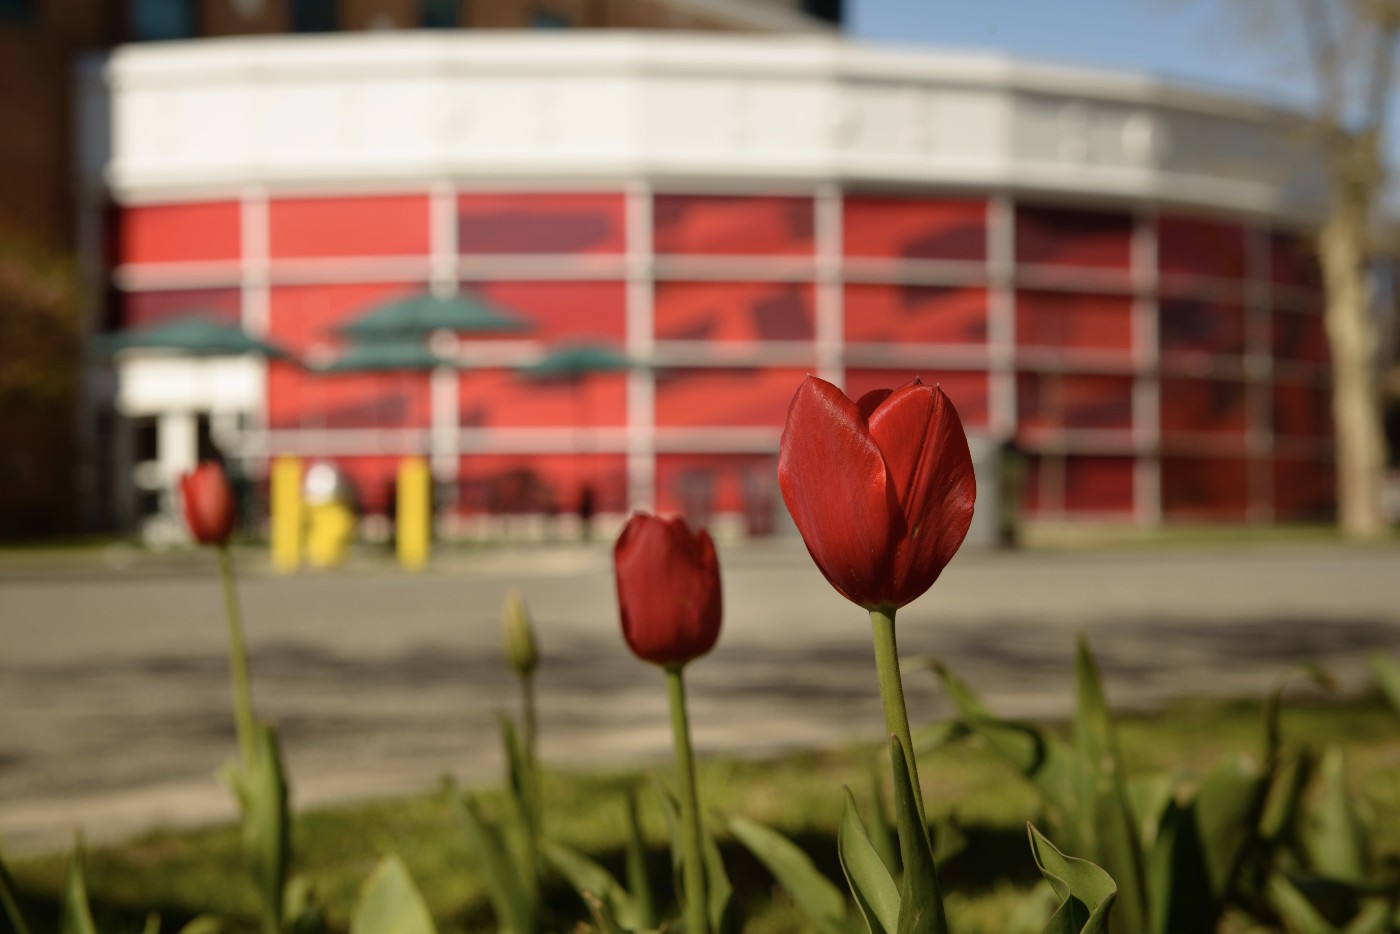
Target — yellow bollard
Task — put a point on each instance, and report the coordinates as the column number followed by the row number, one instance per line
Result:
column 287, row 518
column 329, row 532
column 415, row 513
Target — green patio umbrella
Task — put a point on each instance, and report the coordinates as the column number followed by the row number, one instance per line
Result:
column 424, row 313
column 384, row 356
column 195, row 336
column 572, row 361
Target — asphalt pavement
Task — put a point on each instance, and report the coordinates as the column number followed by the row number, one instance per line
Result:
column 114, row 698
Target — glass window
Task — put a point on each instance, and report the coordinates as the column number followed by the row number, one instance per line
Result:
column 902, row 314
column 313, row 16
column 156, row 20
column 377, row 225
column 915, row 228
column 734, row 226
column 739, row 312
column 541, row 223
column 1061, row 237
column 439, row 14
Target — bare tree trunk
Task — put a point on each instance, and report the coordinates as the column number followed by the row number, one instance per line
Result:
column 1343, row 249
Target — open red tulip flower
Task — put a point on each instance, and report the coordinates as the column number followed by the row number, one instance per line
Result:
column 881, row 488
column 668, row 589
column 208, row 503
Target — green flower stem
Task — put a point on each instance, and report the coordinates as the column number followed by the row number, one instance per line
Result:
column 238, row 662
column 892, row 694
column 696, row 917
column 533, row 791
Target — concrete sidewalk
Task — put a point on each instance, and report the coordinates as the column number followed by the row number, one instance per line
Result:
column 114, row 686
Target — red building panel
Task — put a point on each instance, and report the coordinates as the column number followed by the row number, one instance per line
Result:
column 1099, row 484
column 1293, row 261
column 149, row 309
column 1052, row 402
column 1074, row 321
column 1191, row 248
column 732, row 226
column 506, row 399
column 698, row 486
column 725, row 398
column 1191, row 328
column 1203, row 406
column 560, row 310
column 382, row 225
column 1300, row 337
column 201, row 231
column 1304, row 489
column 904, row 314
column 734, row 312
column 1048, row 236
column 915, row 228
column 522, row 484
column 545, row 223
column 303, row 399
column 1302, row 410
column 304, row 317
column 1209, row 488
column 966, row 388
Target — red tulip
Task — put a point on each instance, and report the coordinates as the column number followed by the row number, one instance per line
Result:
column 881, row 489
column 208, row 503
column 667, row 589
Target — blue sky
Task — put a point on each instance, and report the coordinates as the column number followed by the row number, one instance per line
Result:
column 1192, row 40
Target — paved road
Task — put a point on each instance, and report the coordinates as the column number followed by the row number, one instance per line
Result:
column 114, row 710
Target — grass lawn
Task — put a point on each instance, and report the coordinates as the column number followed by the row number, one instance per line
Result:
column 183, row 874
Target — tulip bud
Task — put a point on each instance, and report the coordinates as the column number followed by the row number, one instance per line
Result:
column 520, row 636
column 208, row 503
column 882, row 488
column 668, row 589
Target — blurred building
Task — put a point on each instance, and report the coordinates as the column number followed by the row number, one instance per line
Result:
column 1109, row 275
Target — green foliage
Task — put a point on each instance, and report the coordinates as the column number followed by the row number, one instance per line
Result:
column 1085, row 891
column 390, row 903
column 819, row 899
column 9, row 900
column 76, row 917
column 510, row 884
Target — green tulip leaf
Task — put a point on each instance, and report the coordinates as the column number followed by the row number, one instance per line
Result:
column 874, row 890
column 390, row 903
column 512, row 897
column 1178, row 891
column 587, row 876
column 152, row 925
column 302, row 911
column 884, row 840
column 1373, row 918
column 1283, row 806
column 1273, row 705
column 1227, row 808
column 1298, row 914
column 1335, row 839
column 638, row 879
column 948, row 841
column 602, row 917
column 1085, row 891
column 204, row 924
column 266, row 832
column 9, row 899
column 920, row 901
column 719, row 891
column 75, row 917
column 812, row 892
column 1107, row 829
column 1386, row 673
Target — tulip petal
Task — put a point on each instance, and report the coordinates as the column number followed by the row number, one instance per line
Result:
column 668, row 589
column 925, row 450
column 836, row 487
